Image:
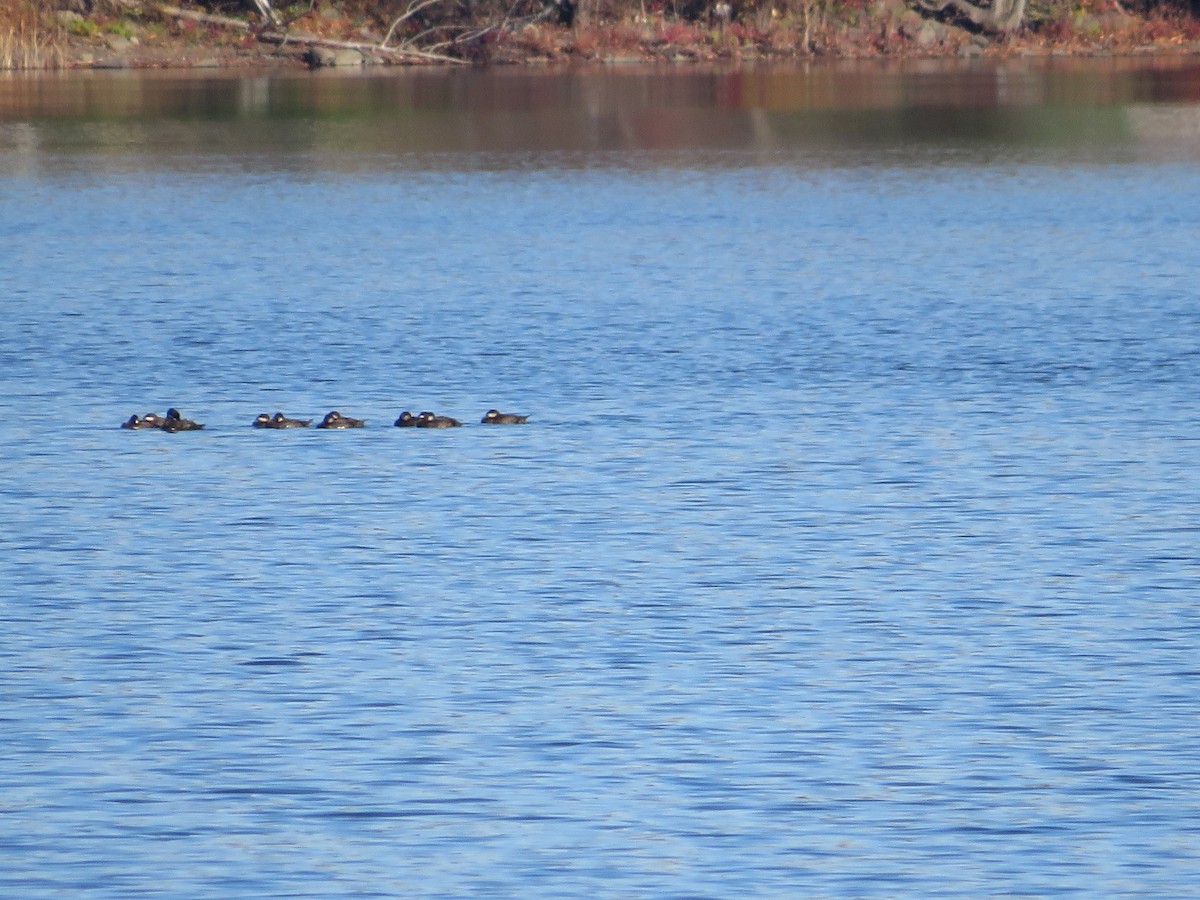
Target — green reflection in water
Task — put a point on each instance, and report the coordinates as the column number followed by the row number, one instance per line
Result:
column 367, row 119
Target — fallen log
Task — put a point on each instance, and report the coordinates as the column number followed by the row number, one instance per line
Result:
column 312, row 40
column 282, row 38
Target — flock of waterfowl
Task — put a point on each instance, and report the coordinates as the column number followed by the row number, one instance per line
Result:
column 173, row 421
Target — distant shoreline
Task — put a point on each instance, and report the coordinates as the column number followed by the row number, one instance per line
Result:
column 890, row 30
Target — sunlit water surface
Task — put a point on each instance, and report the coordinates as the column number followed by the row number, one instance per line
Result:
column 851, row 548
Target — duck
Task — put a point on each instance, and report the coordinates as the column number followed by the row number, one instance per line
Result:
column 149, row 420
column 429, row 420
column 279, row 420
column 175, row 422
column 407, row 420
column 495, row 417
column 336, row 420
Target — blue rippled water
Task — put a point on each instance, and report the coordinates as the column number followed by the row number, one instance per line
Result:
column 850, row 548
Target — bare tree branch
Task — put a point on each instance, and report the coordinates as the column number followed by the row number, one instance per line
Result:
column 458, row 35
column 454, row 33
column 312, row 4
column 413, row 9
column 311, row 40
column 434, row 30
column 264, row 10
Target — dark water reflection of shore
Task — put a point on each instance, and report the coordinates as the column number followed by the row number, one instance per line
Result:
column 1109, row 106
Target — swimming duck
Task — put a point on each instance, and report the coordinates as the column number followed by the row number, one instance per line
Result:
column 336, row 420
column 495, row 417
column 429, row 420
column 149, row 420
column 279, row 420
column 175, row 422
column 406, row 420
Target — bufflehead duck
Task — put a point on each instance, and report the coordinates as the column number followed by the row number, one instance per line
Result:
column 175, row 422
column 279, row 420
column 336, row 420
column 429, row 420
column 495, row 417
column 149, row 420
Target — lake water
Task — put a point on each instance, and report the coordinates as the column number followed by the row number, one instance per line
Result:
column 852, row 548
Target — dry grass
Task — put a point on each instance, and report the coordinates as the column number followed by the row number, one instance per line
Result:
column 30, row 37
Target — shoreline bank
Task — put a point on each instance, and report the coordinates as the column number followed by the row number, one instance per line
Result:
column 174, row 38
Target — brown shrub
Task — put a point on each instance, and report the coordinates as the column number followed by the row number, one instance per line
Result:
column 30, row 36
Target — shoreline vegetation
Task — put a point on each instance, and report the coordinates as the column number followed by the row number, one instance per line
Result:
column 114, row 34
